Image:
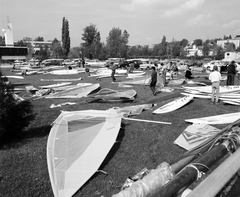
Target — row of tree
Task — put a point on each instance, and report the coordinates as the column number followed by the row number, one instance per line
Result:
column 117, row 46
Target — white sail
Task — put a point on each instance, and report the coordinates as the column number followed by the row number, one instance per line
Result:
column 77, row 144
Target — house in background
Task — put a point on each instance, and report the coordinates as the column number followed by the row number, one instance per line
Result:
column 229, row 56
column 235, row 41
column 37, row 45
column 192, row 50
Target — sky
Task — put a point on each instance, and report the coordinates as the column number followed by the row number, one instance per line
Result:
column 146, row 21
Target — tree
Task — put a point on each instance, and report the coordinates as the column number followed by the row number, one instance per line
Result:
column 20, row 43
column 226, row 37
column 176, row 49
column 43, row 53
column 14, row 116
column 184, row 42
column 163, row 47
column 75, row 52
column 56, row 49
column 238, row 49
column 92, row 43
column 2, row 40
column 206, row 48
column 229, row 47
column 117, row 43
column 219, row 52
column 65, row 37
column 198, row 42
column 156, row 50
column 39, row 39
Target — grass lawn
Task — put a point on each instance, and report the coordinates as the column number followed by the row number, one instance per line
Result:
column 24, row 170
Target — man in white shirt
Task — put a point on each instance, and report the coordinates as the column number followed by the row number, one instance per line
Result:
column 215, row 78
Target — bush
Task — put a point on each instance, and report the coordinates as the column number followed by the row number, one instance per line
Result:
column 14, row 115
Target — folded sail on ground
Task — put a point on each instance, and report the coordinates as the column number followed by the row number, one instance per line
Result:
column 77, row 144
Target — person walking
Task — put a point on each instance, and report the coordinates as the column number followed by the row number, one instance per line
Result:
column 131, row 67
column 231, row 72
column 153, row 80
column 113, row 67
column 215, row 77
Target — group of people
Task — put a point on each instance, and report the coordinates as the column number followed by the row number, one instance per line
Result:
column 215, row 78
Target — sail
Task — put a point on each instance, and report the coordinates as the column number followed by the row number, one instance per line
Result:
column 110, row 95
column 77, row 144
column 75, row 92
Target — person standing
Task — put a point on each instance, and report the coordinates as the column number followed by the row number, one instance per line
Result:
column 188, row 74
column 153, row 80
column 131, row 65
column 83, row 63
column 113, row 67
column 215, row 78
column 231, row 72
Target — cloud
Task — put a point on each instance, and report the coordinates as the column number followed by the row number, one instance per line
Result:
column 234, row 23
column 135, row 5
column 200, row 19
column 184, row 7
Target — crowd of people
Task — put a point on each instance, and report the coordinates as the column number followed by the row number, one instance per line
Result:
column 171, row 68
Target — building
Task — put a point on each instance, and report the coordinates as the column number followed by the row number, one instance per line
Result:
column 9, row 52
column 235, row 41
column 37, row 45
column 229, row 56
column 192, row 50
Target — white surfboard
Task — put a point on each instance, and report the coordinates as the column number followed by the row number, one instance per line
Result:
column 173, row 105
column 56, row 85
column 218, row 119
column 196, row 95
column 14, row 77
column 65, row 72
column 222, row 89
column 231, row 102
column 78, row 79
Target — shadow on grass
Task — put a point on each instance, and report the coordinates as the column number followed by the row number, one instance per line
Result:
column 23, row 138
column 115, row 147
column 37, row 132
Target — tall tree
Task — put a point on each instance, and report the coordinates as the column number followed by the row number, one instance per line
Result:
column 156, row 50
column 117, row 43
column 163, row 47
column 92, row 41
column 65, row 37
column 176, row 49
column 206, row 48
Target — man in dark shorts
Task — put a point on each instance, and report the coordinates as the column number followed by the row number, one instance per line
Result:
column 153, row 80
